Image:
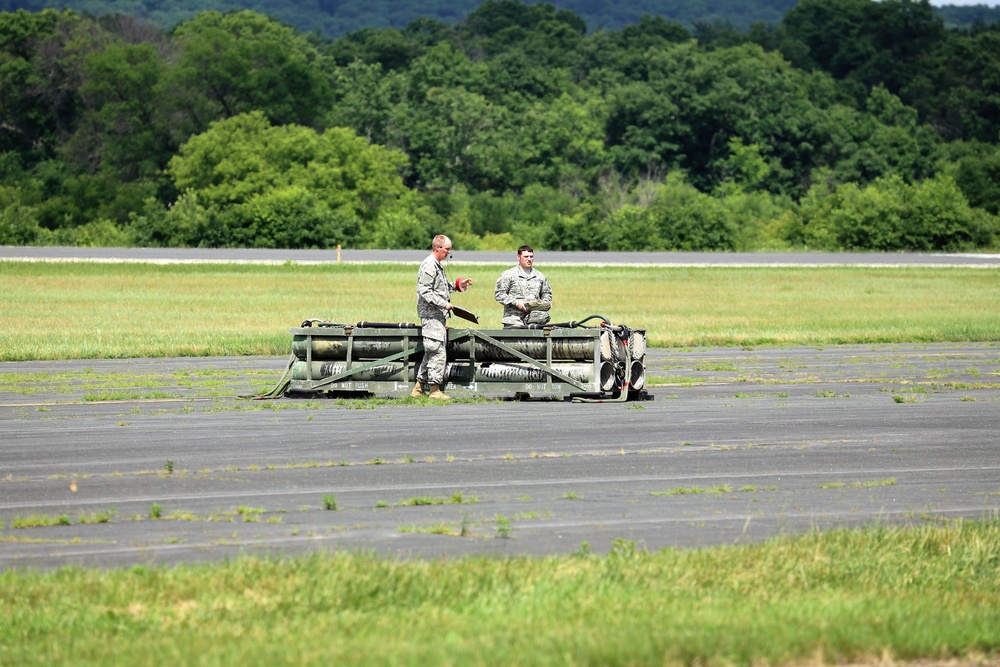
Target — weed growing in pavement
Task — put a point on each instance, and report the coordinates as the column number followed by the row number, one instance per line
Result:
column 124, row 395
column 716, row 366
column 858, row 485
column 434, row 529
column 457, row 498
column 880, row 482
column 966, row 385
column 97, row 517
column 686, row 490
column 249, row 514
column 655, row 381
column 40, row 520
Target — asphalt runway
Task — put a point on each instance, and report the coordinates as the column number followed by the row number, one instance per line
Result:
column 738, row 445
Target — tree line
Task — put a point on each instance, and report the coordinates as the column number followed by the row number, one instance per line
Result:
column 332, row 19
column 851, row 124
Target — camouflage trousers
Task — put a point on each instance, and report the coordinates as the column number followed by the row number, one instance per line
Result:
column 434, row 364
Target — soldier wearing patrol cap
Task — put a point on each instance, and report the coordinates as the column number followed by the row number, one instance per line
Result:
column 524, row 292
column 433, row 303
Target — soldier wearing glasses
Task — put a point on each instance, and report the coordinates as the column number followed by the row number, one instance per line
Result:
column 433, row 303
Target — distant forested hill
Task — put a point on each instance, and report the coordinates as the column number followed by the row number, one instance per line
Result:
column 964, row 16
column 335, row 18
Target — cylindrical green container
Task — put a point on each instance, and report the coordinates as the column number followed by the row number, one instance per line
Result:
column 458, row 372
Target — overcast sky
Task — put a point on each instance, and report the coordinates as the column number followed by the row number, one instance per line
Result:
column 991, row 3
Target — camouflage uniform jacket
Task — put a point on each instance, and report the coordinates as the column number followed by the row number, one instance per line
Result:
column 433, row 295
column 514, row 285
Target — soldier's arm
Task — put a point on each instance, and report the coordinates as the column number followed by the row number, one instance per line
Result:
column 502, row 291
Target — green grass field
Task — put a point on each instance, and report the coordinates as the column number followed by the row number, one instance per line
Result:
column 90, row 310
column 878, row 596
column 875, row 596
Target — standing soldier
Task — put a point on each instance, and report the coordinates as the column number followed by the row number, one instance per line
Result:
column 433, row 303
column 524, row 292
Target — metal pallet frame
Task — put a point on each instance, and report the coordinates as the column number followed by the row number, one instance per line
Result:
column 556, row 382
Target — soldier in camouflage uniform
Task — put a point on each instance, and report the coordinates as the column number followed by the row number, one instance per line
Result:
column 524, row 292
column 433, row 303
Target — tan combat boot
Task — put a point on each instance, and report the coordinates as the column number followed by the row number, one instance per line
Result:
column 418, row 390
column 437, row 394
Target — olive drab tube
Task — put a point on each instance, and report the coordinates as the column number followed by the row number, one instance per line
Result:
column 457, row 372
column 601, row 362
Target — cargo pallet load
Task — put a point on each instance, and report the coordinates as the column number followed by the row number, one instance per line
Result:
column 577, row 362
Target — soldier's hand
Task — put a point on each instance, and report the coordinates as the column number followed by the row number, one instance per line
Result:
column 522, row 306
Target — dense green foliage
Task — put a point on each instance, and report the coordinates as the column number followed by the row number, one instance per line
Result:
column 852, row 124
